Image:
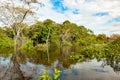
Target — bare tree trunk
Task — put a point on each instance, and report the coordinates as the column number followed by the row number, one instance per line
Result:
column 15, row 44
column 63, row 36
column 47, row 45
column 61, row 46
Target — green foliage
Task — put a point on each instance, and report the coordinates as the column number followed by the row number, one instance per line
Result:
column 101, row 38
column 67, row 36
column 66, row 43
column 46, row 76
column 27, row 47
column 77, row 57
column 89, row 52
column 40, row 47
column 6, row 43
column 82, row 42
column 40, row 31
column 112, row 50
column 8, row 31
column 57, row 73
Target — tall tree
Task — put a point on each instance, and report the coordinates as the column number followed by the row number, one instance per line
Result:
column 49, row 24
column 14, row 14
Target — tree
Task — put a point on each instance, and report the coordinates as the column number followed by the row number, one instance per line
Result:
column 14, row 15
column 49, row 24
column 112, row 53
column 101, row 38
column 113, row 37
column 65, row 35
column 35, row 32
column 41, row 33
column 113, row 49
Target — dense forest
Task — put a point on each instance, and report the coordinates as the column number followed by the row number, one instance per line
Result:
column 43, row 36
column 67, row 37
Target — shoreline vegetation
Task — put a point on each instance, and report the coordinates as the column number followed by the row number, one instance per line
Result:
column 47, row 41
column 67, row 37
column 45, row 36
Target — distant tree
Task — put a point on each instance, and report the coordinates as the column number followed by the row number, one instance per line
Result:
column 101, row 38
column 113, row 37
column 112, row 50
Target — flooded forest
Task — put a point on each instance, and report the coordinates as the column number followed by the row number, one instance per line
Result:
column 47, row 50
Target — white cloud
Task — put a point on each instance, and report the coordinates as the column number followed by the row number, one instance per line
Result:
column 112, row 28
column 88, row 8
column 85, row 15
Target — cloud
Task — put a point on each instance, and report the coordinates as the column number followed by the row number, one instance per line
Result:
column 47, row 11
column 111, row 28
column 94, row 14
column 101, row 16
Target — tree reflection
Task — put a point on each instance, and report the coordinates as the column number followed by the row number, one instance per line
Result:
column 56, row 59
column 13, row 71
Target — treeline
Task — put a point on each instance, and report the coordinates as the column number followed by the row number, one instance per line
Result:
column 41, row 36
column 65, row 34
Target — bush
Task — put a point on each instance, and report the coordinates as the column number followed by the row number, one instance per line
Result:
column 40, row 47
column 6, row 44
column 27, row 47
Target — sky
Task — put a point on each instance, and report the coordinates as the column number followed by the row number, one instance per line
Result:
column 101, row 16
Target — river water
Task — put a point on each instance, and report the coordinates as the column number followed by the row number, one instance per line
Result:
column 31, row 67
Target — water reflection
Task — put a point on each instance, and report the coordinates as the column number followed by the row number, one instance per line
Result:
column 10, row 68
column 90, row 71
column 114, row 64
column 23, row 66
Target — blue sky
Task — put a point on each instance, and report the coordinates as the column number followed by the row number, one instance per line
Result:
column 101, row 16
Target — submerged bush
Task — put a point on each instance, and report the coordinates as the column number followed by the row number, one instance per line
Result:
column 89, row 52
column 27, row 47
column 40, row 47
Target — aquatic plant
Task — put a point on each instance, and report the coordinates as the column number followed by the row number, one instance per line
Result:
column 45, row 76
column 57, row 73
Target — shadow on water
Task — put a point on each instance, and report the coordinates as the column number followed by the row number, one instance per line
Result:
column 28, row 66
